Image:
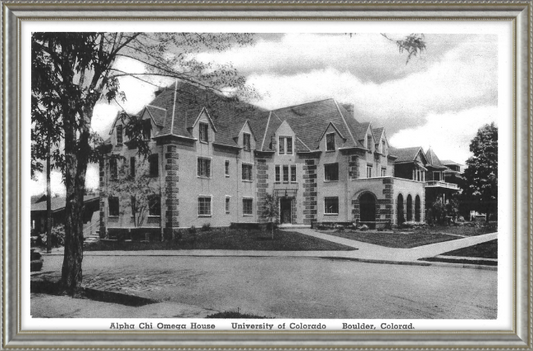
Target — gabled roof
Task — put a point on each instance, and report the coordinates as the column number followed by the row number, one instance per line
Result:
column 310, row 120
column 377, row 132
column 433, row 160
column 450, row 163
column 408, row 154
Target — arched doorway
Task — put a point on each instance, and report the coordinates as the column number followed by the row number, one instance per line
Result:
column 409, row 208
column 367, row 205
column 399, row 210
column 417, row 208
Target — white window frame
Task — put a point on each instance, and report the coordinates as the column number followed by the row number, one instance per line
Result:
column 383, row 171
column 293, row 172
column 369, row 169
column 284, row 139
column 334, row 143
column 226, row 168
column 200, row 125
column 326, row 207
column 331, row 180
column 277, row 173
column 227, row 204
column 198, row 168
column 251, row 172
column 244, row 214
column 210, row 197
column 246, row 146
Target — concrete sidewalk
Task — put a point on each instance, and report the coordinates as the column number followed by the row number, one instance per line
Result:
column 362, row 251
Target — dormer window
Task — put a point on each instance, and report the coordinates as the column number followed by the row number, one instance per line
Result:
column 119, row 134
column 246, row 142
column 204, row 129
column 285, row 145
column 369, row 143
column 147, row 130
column 330, row 142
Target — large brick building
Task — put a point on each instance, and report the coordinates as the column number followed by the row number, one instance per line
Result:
column 215, row 159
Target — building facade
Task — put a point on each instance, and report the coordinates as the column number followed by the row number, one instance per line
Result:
column 214, row 159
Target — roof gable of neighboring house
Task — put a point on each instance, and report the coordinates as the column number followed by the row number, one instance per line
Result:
column 433, row 160
column 409, row 155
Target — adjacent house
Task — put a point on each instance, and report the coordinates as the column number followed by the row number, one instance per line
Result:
column 216, row 158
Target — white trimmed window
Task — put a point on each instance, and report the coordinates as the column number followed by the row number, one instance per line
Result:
column 331, row 205
column 383, row 171
column 369, row 171
column 247, row 170
column 247, row 207
column 331, row 171
column 293, row 173
column 204, row 167
column 285, row 145
column 278, row 173
column 285, row 173
column 226, row 168
column 246, row 142
column 204, row 206
column 154, row 205
column 204, row 132
column 119, row 134
column 330, row 142
column 228, row 203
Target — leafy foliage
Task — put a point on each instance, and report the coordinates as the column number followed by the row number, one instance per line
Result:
column 134, row 191
column 71, row 72
column 480, row 189
column 413, row 44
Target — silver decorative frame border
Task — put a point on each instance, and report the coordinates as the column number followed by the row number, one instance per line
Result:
column 520, row 13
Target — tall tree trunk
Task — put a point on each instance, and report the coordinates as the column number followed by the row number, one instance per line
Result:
column 76, row 159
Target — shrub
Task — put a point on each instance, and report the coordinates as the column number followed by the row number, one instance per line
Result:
column 192, row 230
column 206, row 227
column 58, row 237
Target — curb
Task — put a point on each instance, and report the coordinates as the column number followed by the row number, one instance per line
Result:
column 355, row 259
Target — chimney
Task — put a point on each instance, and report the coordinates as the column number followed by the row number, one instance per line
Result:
column 350, row 108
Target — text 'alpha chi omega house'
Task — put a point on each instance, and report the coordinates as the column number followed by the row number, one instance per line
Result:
column 215, row 159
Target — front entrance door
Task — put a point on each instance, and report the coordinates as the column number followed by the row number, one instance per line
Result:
column 285, row 210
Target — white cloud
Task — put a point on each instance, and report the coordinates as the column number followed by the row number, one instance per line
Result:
column 448, row 134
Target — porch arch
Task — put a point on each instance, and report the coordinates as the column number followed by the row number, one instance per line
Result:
column 399, row 210
column 417, row 208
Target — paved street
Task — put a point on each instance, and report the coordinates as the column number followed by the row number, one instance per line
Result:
column 293, row 287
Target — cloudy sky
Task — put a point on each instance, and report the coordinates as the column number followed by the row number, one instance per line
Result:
column 438, row 99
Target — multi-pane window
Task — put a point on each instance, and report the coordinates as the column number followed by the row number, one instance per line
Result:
column 132, row 166
column 113, row 168
column 331, row 171
column 204, row 206
column 293, row 173
column 154, row 165
column 436, row 176
column 246, row 142
column 369, row 171
column 331, row 205
column 227, row 204
column 278, row 174
column 247, row 206
column 204, row 167
column 383, row 171
column 204, row 129
column 147, row 130
column 154, row 205
column 286, row 173
column 247, row 172
column 330, row 142
column 285, row 145
column 226, row 168
column 119, row 135
column 113, row 206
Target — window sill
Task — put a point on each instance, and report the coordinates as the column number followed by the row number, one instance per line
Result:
column 203, row 142
column 331, row 214
column 247, row 181
column 247, row 215
column 203, row 177
column 204, row 216
column 227, row 175
column 330, row 180
column 331, row 150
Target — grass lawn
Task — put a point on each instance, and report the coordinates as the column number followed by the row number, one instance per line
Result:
column 227, row 239
column 488, row 249
column 461, row 230
column 395, row 240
